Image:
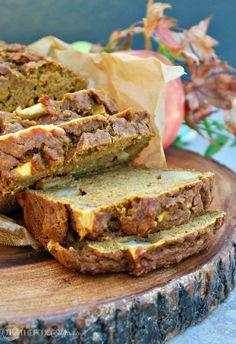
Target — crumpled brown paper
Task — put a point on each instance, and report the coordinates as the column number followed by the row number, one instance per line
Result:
column 131, row 81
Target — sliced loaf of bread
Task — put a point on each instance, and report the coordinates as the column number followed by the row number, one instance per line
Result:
column 137, row 255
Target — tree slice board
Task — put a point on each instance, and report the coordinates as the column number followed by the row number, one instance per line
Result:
column 42, row 302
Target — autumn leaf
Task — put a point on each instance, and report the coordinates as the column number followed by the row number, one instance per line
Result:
column 198, row 46
column 122, row 39
column 158, row 26
column 208, row 67
column 154, row 15
column 212, row 86
column 167, row 38
column 156, row 10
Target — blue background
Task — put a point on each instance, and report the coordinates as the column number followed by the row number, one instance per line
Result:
column 27, row 20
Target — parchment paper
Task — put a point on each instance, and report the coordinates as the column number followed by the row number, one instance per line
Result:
column 132, row 81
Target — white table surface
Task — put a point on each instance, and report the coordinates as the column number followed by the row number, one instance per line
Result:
column 220, row 326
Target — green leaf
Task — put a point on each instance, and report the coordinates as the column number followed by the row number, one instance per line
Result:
column 207, row 127
column 180, row 58
column 178, row 142
column 218, row 125
column 233, row 144
column 221, row 139
column 213, row 149
column 163, row 51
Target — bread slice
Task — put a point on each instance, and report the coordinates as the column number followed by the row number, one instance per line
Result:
column 26, row 76
column 78, row 146
column 120, row 201
column 136, row 255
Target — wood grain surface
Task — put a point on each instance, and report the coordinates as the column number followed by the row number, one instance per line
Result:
column 42, row 302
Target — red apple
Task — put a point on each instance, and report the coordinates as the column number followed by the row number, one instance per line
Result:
column 174, row 99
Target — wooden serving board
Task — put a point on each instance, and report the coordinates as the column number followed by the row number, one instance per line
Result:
column 42, row 302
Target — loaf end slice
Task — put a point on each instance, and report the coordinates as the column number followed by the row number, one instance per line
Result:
column 136, row 255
